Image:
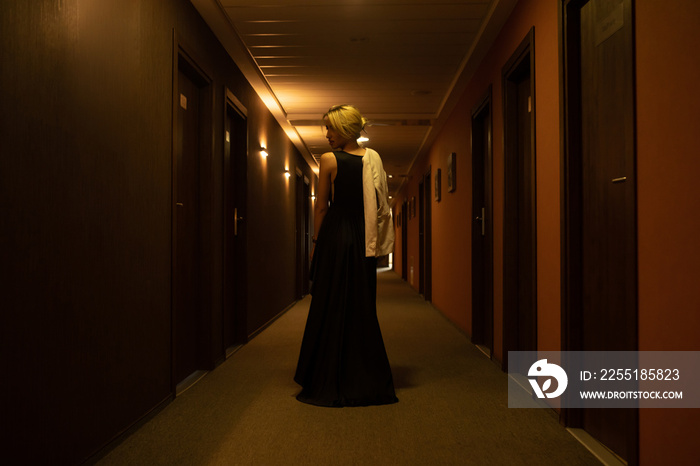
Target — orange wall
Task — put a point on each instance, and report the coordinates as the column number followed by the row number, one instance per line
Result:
column 451, row 217
column 668, row 167
column 668, row 170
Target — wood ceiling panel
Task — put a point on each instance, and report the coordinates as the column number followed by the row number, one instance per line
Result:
column 408, row 38
column 274, row 4
column 380, row 72
column 355, row 81
column 357, row 29
column 401, row 51
column 358, row 60
column 353, row 12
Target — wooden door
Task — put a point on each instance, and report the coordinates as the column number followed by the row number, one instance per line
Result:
column 303, row 194
column 306, row 237
column 421, row 237
column 600, row 278
column 520, row 216
column 428, row 238
column 235, row 157
column 482, row 226
column 404, row 240
column 186, row 317
column 425, row 266
column 195, row 343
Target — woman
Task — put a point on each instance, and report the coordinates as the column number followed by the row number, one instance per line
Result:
column 343, row 361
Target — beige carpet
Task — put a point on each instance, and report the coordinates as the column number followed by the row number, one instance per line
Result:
column 452, row 409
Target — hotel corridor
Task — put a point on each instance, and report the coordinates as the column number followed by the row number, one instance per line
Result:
column 452, row 408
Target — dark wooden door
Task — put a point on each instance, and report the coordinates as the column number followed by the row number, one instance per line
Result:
column 609, row 223
column 520, row 216
column 421, row 237
column 187, row 233
column 428, row 238
column 600, row 257
column 235, row 155
column 482, row 226
column 425, row 238
column 302, row 234
column 404, row 241
column 306, row 237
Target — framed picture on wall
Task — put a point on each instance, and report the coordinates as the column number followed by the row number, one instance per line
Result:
column 437, row 185
column 452, row 172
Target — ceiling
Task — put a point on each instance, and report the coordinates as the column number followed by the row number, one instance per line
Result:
column 403, row 63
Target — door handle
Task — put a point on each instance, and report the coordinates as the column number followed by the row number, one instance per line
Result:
column 482, row 220
column 236, row 218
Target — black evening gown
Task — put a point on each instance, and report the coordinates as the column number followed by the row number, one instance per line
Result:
column 343, row 361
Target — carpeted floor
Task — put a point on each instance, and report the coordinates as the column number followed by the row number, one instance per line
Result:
column 452, row 409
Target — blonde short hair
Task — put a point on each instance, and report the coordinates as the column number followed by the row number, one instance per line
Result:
column 346, row 120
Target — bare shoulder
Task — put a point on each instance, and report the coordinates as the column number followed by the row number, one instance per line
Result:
column 328, row 157
column 328, row 161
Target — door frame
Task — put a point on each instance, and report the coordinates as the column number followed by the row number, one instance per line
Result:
column 572, row 338
column 484, row 281
column 525, row 51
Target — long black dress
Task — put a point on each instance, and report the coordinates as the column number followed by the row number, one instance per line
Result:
column 343, row 361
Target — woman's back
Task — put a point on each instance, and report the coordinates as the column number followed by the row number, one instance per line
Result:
column 348, row 183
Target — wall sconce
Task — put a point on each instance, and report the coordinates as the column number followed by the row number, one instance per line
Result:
column 263, row 152
column 287, row 174
column 313, row 198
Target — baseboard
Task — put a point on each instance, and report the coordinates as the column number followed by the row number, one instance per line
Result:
column 191, row 379
column 271, row 321
column 119, row 438
column 598, row 450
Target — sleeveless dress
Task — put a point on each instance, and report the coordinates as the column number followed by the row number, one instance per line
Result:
column 343, row 361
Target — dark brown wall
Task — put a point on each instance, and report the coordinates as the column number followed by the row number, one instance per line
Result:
column 85, row 217
column 271, row 225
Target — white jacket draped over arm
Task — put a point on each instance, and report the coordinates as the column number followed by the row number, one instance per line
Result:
column 379, row 225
